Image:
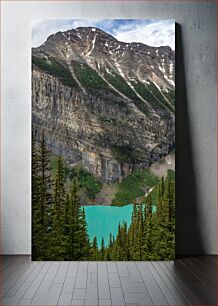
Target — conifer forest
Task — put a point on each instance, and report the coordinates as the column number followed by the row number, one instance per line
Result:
column 59, row 228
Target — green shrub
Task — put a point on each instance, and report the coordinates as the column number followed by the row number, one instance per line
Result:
column 88, row 77
column 85, row 179
column 171, row 175
column 54, row 68
column 146, row 94
column 153, row 88
column 120, row 84
column 132, row 186
column 170, row 96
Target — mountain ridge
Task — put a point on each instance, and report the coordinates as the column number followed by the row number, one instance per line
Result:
column 107, row 35
column 104, row 97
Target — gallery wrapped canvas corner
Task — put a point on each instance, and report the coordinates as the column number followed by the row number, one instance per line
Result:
column 103, row 140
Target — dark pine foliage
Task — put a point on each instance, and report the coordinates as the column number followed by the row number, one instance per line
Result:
column 120, row 84
column 41, row 197
column 89, row 77
column 59, row 228
column 153, row 88
column 55, row 69
column 153, row 96
column 151, row 234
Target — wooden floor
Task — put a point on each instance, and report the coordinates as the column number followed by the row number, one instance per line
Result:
column 188, row 281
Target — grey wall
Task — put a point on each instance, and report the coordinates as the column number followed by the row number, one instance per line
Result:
column 196, row 113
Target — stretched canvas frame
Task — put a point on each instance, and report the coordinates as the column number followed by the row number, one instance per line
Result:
column 103, row 143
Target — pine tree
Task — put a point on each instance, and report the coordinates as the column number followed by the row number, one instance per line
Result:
column 59, row 194
column 78, row 246
column 102, row 250
column 162, row 187
column 67, row 214
column 57, row 236
column 164, row 246
column 171, row 219
column 37, row 226
column 151, row 235
column 94, row 249
column 125, row 242
column 141, row 237
column 109, row 255
column 45, row 179
column 41, row 199
column 120, row 243
column 111, row 240
column 132, row 234
column 73, row 237
column 149, row 205
column 84, row 238
column 171, row 203
column 35, row 174
column 112, row 248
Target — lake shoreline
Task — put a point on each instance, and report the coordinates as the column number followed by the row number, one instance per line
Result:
column 104, row 220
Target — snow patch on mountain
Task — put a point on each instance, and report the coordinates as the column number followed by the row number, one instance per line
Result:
column 170, row 81
column 171, row 67
column 161, row 69
column 119, row 70
column 93, row 46
column 157, row 85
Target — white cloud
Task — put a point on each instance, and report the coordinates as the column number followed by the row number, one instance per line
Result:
column 41, row 29
column 151, row 32
column 157, row 33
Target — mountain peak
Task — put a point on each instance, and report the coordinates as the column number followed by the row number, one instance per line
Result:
column 102, row 52
column 112, row 98
column 92, row 31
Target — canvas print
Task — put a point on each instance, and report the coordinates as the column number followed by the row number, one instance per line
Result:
column 103, row 140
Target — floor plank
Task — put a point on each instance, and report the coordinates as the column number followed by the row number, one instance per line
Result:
column 169, row 268
column 201, row 270
column 169, row 279
column 117, row 296
column 187, row 281
column 155, row 292
column 13, row 276
column 24, row 277
column 206, row 295
column 17, row 296
column 49, row 277
column 48, row 298
column 103, row 282
column 168, row 292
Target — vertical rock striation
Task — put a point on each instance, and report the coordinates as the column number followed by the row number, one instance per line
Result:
column 106, row 103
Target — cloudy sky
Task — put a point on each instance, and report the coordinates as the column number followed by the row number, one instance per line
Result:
column 151, row 32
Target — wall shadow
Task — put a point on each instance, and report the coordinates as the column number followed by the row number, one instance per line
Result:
column 188, row 234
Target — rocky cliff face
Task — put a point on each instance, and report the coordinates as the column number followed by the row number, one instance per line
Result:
column 106, row 103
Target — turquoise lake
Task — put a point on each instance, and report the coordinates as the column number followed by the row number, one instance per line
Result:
column 103, row 220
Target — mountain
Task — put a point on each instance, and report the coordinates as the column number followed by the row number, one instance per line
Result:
column 107, row 104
